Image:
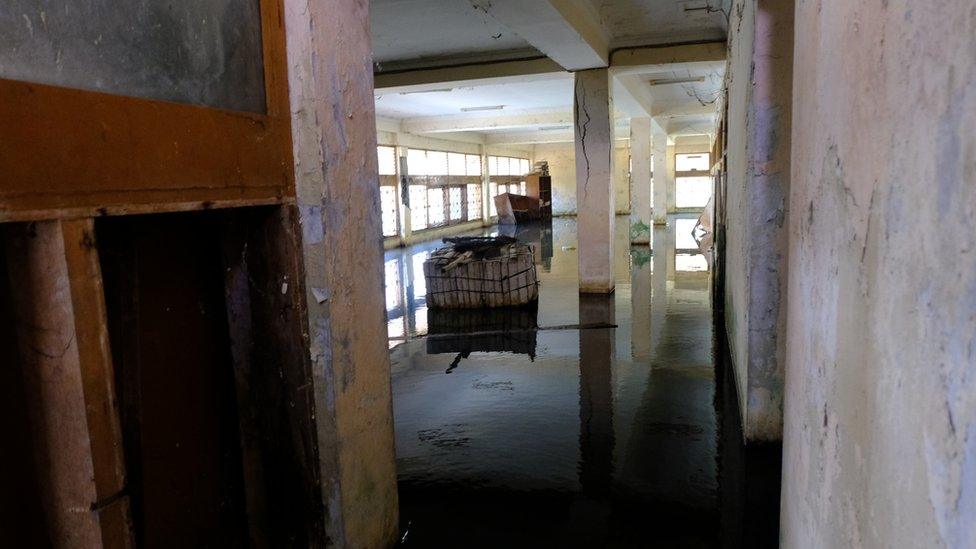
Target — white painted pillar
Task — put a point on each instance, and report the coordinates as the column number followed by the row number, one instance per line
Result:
column 640, row 181
column 593, row 123
column 330, row 82
column 661, row 174
column 662, row 256
column 485, row 188
column 406, row 230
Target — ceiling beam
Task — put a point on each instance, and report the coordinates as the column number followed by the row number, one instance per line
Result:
column 487, row 122
column 644, row 56
column 632, row 96
column 568, row 31
column 540, row 137
column 470, row 74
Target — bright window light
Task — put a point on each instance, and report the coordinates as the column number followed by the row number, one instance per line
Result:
column 691, row 162
column 692, row 192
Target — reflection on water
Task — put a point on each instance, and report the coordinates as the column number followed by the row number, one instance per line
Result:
column 589, row 421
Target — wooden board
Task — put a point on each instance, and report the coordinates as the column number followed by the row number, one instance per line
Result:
column 72, row 153
column 68, row 377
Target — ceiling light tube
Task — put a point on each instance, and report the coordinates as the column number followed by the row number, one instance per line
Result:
column 478, row 109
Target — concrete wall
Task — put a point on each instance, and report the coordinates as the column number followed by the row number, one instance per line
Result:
column 759, row 80
column 880, row 435
column 562, row 169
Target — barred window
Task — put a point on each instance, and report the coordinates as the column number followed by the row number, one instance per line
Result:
column 448, row 188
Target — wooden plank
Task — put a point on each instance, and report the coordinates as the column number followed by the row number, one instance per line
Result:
column 98, row 380
column 272, row 369
column 63, row 340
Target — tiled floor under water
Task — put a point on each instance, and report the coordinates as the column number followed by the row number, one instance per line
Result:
column 593, row 421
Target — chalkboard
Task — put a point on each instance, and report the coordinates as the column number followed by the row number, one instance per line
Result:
column 203, row 52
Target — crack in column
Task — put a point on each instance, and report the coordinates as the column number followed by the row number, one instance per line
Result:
column 581, row 104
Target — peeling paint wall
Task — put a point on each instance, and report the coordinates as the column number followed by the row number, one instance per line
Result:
column 330, row 80
column 562, row 169
column 760, row 85
column 880, row 434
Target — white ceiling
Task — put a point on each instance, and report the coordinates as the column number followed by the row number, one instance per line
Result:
column 544, row 102
column 430, row 32
column 537, row 107
column 422, row 33
column 551, row 92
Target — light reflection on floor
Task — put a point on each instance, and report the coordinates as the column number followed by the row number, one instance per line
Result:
column 537, row 427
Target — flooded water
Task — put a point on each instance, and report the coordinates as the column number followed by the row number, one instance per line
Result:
column 588, row 421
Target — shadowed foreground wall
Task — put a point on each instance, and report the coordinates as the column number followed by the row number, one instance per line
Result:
column 880, row 404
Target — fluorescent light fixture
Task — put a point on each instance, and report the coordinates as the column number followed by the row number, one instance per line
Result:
column 665, row 81
column 554, row 128
column 478, row 109
column 439, row 90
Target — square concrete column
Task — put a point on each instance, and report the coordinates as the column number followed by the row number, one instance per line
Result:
column 662, row 177
column 593, row 127
column 640, row 181
column 330, row 81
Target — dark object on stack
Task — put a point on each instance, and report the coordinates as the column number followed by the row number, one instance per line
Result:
column 481, row 247
column 516, row 208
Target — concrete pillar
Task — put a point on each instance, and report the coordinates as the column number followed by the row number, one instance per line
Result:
column 485, row 187
column 640, row 181
column 662, row 177
column 593, row 123
column 403, row 198
column 330, row 77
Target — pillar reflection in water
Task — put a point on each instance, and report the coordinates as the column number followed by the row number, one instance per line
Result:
column 640, row 288
column 596, row 348
column 663, row 264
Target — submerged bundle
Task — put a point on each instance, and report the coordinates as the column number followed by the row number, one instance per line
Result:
column 477, row 272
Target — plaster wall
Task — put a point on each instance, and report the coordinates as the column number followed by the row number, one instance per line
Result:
column 760, row 87
column 562, row 169
column 880, row 416
column 330, row 79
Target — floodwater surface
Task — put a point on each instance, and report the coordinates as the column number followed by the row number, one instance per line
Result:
column 587, row 421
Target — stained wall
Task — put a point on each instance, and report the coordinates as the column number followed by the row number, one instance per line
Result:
column 880, row 409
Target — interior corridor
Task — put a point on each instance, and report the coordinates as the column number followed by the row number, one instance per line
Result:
column 715, row 309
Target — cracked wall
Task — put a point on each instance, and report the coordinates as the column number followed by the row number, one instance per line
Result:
column 880, row 404
column 757, row 206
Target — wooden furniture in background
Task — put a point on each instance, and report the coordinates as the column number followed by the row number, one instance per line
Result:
column 540, row 186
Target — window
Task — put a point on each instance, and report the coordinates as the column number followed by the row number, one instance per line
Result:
column 692, row 181
column 386, row 160
column 388, row 209
column 691, row 162
column 506, row 174
column 474, row 201
column 445, row 188
column 692, row 192
column 418, row 207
